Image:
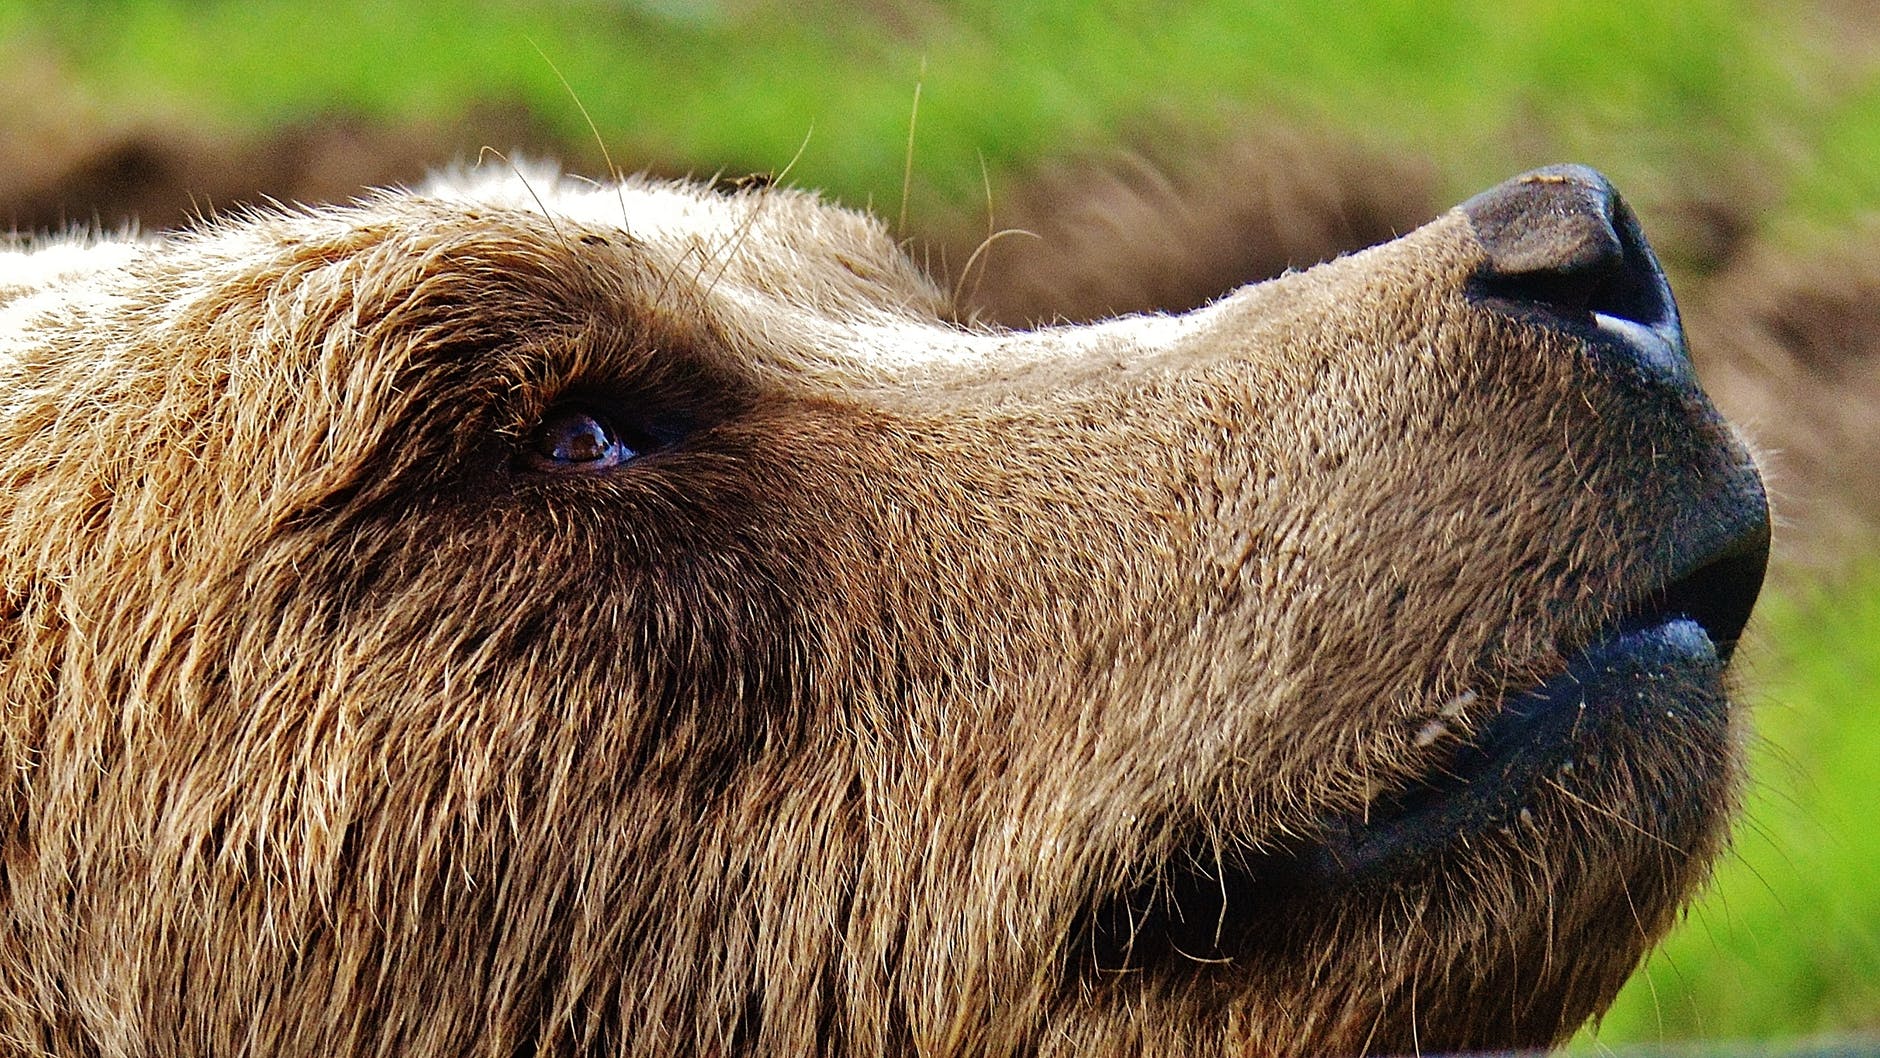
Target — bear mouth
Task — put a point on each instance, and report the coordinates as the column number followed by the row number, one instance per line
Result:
column 1653, row 675
column 1657, row 668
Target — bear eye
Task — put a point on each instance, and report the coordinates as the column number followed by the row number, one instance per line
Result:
column 577, row 439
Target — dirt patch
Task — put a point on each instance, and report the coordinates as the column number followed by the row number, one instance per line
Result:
column 1789, row 345
column 1173, row 227
column 159, row 178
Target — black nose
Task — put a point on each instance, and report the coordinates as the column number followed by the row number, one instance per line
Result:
column 1560, row 241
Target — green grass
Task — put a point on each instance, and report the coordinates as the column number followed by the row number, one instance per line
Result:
column 1738, row 100
column 1644, row 91
column 1787, row 943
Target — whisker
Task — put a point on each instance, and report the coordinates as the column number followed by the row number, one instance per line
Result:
column 907, row 162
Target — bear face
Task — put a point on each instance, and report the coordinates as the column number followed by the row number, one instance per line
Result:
column 524, row 617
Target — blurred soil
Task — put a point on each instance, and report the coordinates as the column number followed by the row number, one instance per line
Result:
column 1788, row 345
column 1174, row 226
column 162, row 178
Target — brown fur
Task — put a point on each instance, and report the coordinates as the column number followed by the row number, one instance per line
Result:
column 852, row 725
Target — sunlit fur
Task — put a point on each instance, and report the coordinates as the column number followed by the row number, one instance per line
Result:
column 334, row 727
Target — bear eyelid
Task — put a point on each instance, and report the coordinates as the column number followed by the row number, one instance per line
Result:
column 592, row 433
column 576, row 438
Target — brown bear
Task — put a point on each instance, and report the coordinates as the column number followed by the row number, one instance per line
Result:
column 528, row 617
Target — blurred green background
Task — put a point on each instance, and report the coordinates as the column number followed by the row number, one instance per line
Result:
column 1746, row 135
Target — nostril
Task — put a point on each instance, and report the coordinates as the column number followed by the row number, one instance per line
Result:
column 1561, row 239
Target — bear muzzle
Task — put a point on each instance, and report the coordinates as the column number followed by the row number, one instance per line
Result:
column 1561, row 250
column 1626, row 741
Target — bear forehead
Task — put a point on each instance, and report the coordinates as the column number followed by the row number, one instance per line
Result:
column 805, row 290
column 779, row 241
column 801, row 292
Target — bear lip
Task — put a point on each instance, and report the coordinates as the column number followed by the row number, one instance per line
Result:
column 1684, row 630
column 1719, row 591
column 1534, row 736
column 1655, row 672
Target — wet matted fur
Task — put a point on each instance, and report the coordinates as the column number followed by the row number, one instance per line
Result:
column 905, row 688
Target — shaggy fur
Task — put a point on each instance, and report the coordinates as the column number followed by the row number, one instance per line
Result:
column 923, row 690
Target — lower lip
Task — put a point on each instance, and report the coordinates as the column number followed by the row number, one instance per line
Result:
column 1641, row 678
